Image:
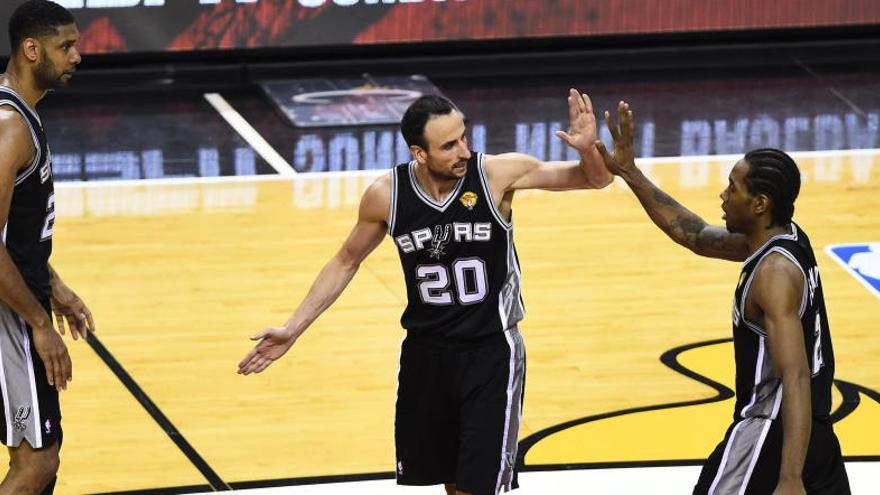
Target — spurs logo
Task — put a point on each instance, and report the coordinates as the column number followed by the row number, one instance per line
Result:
column 439, row 241
column 435, row 241
column 469, row 200
column 21, row 416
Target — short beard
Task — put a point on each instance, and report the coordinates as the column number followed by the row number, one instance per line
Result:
column 45, row 77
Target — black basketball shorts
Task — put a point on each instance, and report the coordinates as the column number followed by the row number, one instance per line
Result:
column 30, row 405
column 748, row 460
column 458, row 413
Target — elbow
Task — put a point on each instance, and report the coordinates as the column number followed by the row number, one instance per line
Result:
column 347, row 263
column 796, row 377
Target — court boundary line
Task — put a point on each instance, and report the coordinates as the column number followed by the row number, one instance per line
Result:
column 249, row 134
column 389, row 475
column 849, row 403
column 230, row 179
column 214, row 480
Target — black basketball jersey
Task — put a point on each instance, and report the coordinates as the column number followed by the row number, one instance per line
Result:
column 27, row 234
column 758, row 389
column 460, row 266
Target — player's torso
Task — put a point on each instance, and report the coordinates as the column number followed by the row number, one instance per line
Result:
column 458, row 258
column 27, row 234
column 758, row 388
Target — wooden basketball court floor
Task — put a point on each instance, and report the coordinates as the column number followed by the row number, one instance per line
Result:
column 629, row 358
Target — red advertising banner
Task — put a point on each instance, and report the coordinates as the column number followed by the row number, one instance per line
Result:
column 114, row 26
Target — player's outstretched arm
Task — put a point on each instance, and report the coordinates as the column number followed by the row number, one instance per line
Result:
column 68, row 306
column 329, row 284
column 778, row 290
column 512, row 171
column 680, row 224
column 16, row 150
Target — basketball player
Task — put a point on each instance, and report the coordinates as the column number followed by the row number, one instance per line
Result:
column 462, row 362
column 781, row 440
column 34, row 363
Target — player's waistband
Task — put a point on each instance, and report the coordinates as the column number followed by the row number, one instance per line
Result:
column 433, row 340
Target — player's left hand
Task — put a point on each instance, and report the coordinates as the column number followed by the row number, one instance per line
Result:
column 273, row 343
column 581, row 133
column 68, row 306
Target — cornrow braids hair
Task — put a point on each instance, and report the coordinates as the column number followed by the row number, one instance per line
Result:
column 36, row 18
column 416, row 117
column 774, row 173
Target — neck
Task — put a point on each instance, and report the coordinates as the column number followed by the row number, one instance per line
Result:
column 436, row 187
column 760, row 235
column 22, row 82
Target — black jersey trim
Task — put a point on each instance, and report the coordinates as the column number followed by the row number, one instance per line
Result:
column 487, row 190
column 38, row 153
column 792, row 236
column 30, row 110
column 425, row 197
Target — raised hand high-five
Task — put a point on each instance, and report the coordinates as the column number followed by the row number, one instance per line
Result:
column 622, row 158
column 581, row 133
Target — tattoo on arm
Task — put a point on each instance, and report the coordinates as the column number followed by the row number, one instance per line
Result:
column 665, row 199
column 677, row 221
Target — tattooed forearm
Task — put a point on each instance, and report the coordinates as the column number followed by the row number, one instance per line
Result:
column 711, row 239
column 675, row 220
column 665, row 199
column 684, row 226
column 686, row 229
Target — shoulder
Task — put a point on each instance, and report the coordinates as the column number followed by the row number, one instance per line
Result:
column 16, row 144
column 778, row 279
column 376, row 200
column 12, row 122
column 776, row 265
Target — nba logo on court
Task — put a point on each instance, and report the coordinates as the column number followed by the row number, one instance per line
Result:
column 862, row 261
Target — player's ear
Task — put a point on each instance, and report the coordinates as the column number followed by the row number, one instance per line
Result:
column 419, row 153
column 30, row 48
column 761, row 204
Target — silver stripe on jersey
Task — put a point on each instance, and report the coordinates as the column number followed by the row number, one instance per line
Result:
column 767, row 387
column 392, row 214
column 26, row 343
column 487, row 190
column 510, row 307
column 38, row 154
column 513, row 411
column 426, row 198
column 740, row 456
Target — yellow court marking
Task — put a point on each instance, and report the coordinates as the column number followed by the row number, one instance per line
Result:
column 686, row 432
column 179, row 275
